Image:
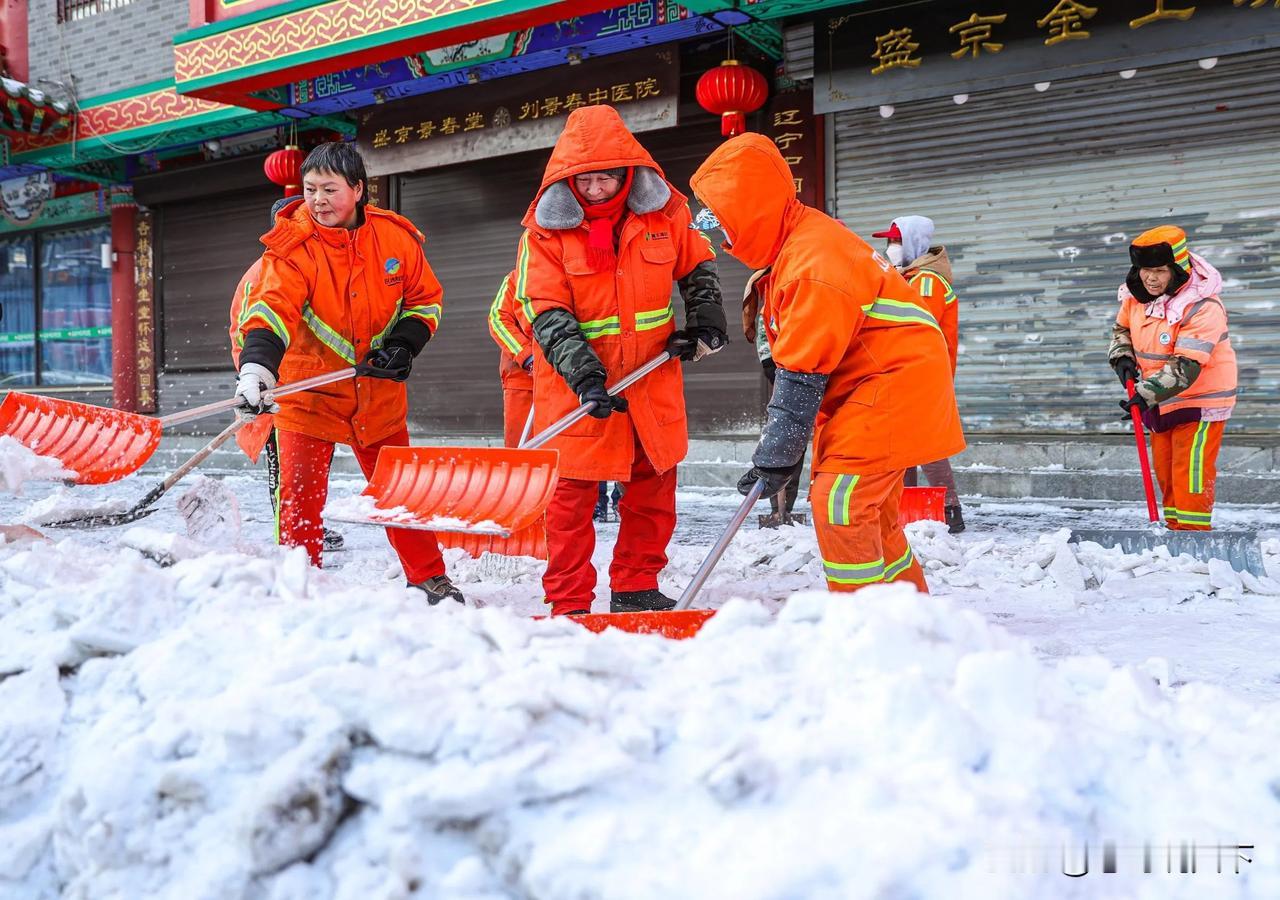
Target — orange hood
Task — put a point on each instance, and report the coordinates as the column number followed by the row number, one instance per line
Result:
column 749, row 187
column 594, row 138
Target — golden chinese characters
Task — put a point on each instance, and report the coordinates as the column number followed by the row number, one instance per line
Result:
column 1161, row 13
column 1066, row 22
column 893, row 51
column 975, row 35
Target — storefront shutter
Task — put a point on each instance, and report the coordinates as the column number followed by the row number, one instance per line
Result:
column 1037, row 195
column 205, row 246
column 471, row 215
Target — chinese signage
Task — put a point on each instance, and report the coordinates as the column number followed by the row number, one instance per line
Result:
column 878, row 56
column 797, row 132
column 144, row 287
column 513, row 115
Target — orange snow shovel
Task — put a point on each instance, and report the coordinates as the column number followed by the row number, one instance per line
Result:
column 102, row 445
column 530, row 541
column 494, row 491
column 681, row 622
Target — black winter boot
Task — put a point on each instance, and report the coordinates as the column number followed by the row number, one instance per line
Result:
column 438, row 588
column 333, row 540
column 955, row 519
column 640, row 601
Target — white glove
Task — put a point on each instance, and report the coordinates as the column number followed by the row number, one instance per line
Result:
column 253, row 390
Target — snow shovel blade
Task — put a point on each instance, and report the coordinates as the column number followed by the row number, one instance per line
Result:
column 494, row 491
column 675, row 624
column 1239, row 548
column 100, row 445
column 531, row 541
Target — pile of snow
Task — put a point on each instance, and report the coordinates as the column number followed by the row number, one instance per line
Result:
column 271, row 732
column 18, row 465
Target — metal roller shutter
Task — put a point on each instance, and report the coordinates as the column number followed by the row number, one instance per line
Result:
column 471, row 215
column 1037, row 195
column 205, row 246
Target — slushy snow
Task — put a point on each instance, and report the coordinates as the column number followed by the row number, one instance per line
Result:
column 191, row 720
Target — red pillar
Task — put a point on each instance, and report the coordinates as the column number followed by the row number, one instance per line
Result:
column 124, row 306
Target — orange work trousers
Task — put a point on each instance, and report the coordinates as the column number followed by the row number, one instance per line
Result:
column 1186, row 464
column 516, row 403
column 856, row 517
column 304, row 487
column 647, row 513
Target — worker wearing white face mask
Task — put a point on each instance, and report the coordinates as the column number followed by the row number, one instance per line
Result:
column 926, row 267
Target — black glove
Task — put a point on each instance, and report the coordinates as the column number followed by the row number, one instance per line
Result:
column 1138, row 401
column 527, row 365
column 592, row 390
column 1127, row 370
column 392, row 360
column 691, row 344
column 775, row 480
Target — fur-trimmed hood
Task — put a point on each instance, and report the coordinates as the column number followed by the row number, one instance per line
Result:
column 595, row 138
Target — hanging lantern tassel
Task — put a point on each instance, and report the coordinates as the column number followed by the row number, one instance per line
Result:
column 731, row 91
column 284, row 167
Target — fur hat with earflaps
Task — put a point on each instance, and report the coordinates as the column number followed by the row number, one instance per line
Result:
column 1162, row 246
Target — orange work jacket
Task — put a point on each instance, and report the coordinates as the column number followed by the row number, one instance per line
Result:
column 834, row 306
column 626, row 314
column 332, row 295
column 512, row 333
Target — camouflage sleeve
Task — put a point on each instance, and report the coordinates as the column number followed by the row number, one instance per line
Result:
column 1121, row 344
column 1174, row 377
column 562, row 342
column 703, row 305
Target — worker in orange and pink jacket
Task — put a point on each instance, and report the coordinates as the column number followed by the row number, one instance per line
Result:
column 927, row 268
column 1171, row 341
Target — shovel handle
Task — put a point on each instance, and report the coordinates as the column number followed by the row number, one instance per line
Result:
column 203, row 453
column 722, row 544
column 528, row 427
column 212, row 409
column 1140, row 435
column 564, row 422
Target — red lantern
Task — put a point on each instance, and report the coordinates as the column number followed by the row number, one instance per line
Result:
column 731, row 91
column 284, row 167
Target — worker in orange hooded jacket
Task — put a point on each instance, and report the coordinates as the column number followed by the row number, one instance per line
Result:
column 860, row 363
column 510, row 330
column 342, row 283
column 605, row 238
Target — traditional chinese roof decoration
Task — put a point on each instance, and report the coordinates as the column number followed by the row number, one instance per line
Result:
column 31, row 111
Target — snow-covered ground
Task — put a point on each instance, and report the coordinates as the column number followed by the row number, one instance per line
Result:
column 203, row 716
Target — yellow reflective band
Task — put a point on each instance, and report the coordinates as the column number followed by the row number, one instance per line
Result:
column 500, row 331
column 854, row 573
column 900, row 312
column 429, row 313
column 244, row 304
column 382, row 335
column 896, row 568
column 1196, row 476
column 838, row 499
column 924, row 284
column 329, row 337
column 522, row 278
column 268, row 315
column 600, row 327
column 647, row 321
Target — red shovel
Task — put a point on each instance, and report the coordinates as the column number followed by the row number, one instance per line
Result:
column 1140, row 435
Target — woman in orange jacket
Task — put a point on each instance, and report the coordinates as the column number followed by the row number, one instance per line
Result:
column 342, row 283
column 1171, row 341
column 861, row 364
column 604, row 239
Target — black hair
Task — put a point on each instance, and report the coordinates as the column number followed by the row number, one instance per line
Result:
column 339, row 158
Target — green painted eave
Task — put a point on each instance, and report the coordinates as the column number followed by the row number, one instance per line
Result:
column 777, row 9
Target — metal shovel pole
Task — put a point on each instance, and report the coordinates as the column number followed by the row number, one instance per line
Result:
column 568, row 419
column 1140, row 435
column 211, row 409
column 722, row 544
column 528, row 426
